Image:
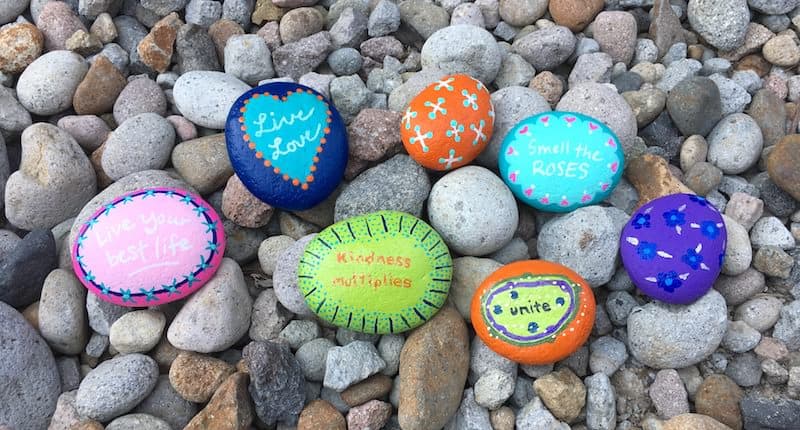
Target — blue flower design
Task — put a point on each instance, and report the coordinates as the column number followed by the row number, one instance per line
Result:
column 514, row 295
column 641, row 221
column 674, row 218
column 498, row 309
column 668, row 281
column 692, row 258
column 700, row 200
column 646, row 250
column 533, row 327
column 709, row 229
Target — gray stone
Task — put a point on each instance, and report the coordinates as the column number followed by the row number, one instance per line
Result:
column 298, row 58
column 216, row 316
column 47, row 85
column 607, row 355
column 773, row 261
column 402, row 95
column 666, row 336
column 745, row 370
column 473, row 211
column 534, row 416
column 770, row 231
column 24, row 270
column 389, row 348
column 312, row 357
column 787, row 329
column 102, row 314
column 299, row 332
column 165, row 403
column 483, row 360
column 594, row 67
column 733, row 96
column 164, row 7
column 9, row 11
column 470, row 14
column 716, row 65
column 205, row 97
column 31, row 380
column 619, row 305
column 511, row 105
column 547, row 48
column 143, row 142
column 584, row 240
column 470, row 415
column 62, row 313
column 14, row 118
column 55, row 179
column 138, row 421
column 738, row 253
column 195, row 50
column 203, row 12
column 345, row 61
column 247, row 57
column 740, row 337
column 349, row 95
column 677, row 72
column 398, row 184
column 515, row 71
column 615, row 31
column 422, row 18
column 694, row 105
column 269, row 317
column 602, row 101
column 116, row 386
column 384, row 19
column 350, row 29
column 350, row 364
column 463, row 49
column 737, row 289
column 760, row 312
column 773, row 7
column 668, row 394
column 137, row 331
column 601, row 409
column 239, row 11
column 776, row 201
column 767, row 412
column 285, row 278
column 345, row 336
column 676, row 52
column 723, row 24
column 646, row 51
column 277, row 386
column 735, row 143
column 749, row 80
column 70, row 373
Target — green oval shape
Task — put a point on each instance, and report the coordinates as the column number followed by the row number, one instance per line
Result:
column 385, row 272
column 530, row 309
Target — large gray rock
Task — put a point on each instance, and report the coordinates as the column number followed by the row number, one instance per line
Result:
column 463, row 49
column 601, row 405
column 116, row 386
column 31, row 383
column 547, row 48
column 165, row 403
column 23, row 270
column 62, row 313
column 285, row 277
column 276, row 382
column 10, row 10
column 665, row 336
column 787, row 329
column 694, row 106
column 47, row 85
column 602, row 101
column 735, row 143
column 206, row 97
column 143, row 142
column 722, row 23
column 350, row 364
column 585, row 240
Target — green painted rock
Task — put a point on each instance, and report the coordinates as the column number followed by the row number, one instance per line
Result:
column 385, row 272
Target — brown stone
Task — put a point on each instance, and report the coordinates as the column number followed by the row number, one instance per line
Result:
column 242, row 207
column 208, row 153
column 220, row 32
column 156, row 48
column 103, row 180
column 694, row 422
column 229, row 409
column 375, row 134
column 575, row 14
column 372, row 388
column 434, row 364
column 549, row 86
column 87, row 425
column 696, row 52
column 164, row 354
column 196, row 376
column 20, row 44
column 321, row 415
column 371, row 415
column 57, row 22
column 502, row 419
column 266, row 11
column 783, row 165
column 719, row 397
column 665, row 28
column 84, row 43
column 772, row 348
column 757, row 35
column 755, row 63
column 31, row 314
column 769, row 112
column 652, row 178
column 563, row 393
column 100, row 88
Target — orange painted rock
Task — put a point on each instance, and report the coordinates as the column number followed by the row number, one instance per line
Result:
column 533, row 312
column 449, row 123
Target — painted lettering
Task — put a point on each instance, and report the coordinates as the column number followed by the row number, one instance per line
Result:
column 276, row 124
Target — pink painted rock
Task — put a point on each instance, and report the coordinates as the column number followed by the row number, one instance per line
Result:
column 58, row 22
column 149, row 247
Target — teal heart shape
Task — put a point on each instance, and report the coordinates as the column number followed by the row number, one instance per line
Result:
column 287, row 132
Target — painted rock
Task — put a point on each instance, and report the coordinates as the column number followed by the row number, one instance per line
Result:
column 533, row 312
column 149, row 247
column 449, row 123
column 673, row 247
column 385, row 272
column 287, row 144
column 560, row 161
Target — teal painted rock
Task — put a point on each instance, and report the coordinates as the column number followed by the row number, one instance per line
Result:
column 560, row 161
column 385, row 272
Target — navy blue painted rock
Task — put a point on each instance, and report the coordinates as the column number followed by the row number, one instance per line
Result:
column 673, row 247
column 287, row 144
column 560, row 161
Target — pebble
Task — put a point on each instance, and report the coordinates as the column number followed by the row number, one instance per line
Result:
column 470, row 414
column 770, row 231
column 677, row 72
column 243, row 208
column 694, row 331
column 573, row 14
column 389, row 348
column 248, row 58
column 103, row 28
column 668, row 394
column 20, row 44
column 143, row 142
column 62, row 313
column 374, row 387
column 535, row 416
column 165, row 403
column 14, row 118
column 102, row 314
column 116, row 386
column 433, row 369
column 607, row 355
column 195, row 377
column 780, row 162
column 520, row 13
column 773, row 261
column 384, row 19
column 615, row 32
column 285, row 278
column 320, row 414
column 29, row 369
column 733, row 96
column 204, row 97
column 423, row 18
column 474, row 190
column 586, row 234
column 469, row 13
column 744, row 209
column 203, row 163
column 315, row 49
column 745, row 370
column 141, row 95
column 373, row 414
column 345, row 61
column 374, row 133
column 738, row 252
column 693, row 421
column 156, row 49
column 349, row 94
column 48, row 84
column 312, row 357
column 58, row 22
column 196, row 328
column 776, row 200
column 137, row 421
column 351, row 364
column 762, row 410
column 723, row 25
column 782, row 50
column 563, row 393
column 735, row 143
column 600, row 402
column 547, row 48
column 299, row 23
column 719, row 398
column 89, row 131
column 593, row 67
column 740, row 337
column 688, row 99
column 349, row 29
column 33, row 201
column 203, row 12
column 137, row 331
column 196, row 50
column 277, row 386
column 602, row 102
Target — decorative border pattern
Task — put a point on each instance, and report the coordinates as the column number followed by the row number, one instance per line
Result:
column 193, row 280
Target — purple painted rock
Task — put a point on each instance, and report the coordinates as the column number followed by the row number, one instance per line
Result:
column 673, row 247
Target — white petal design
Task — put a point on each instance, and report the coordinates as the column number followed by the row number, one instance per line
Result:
column 698, row 248
column 648, row 210
column 663, row 254
column 651, row 279
column 694, row 225
column 683, row 276
column 682, row 208
column 632, row 240
column 678, row 229
column 704, row 267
